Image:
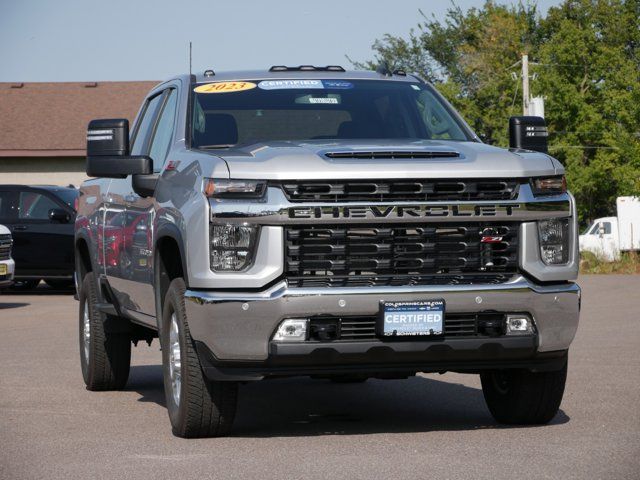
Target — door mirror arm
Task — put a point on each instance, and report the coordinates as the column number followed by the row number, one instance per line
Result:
column 145, row 185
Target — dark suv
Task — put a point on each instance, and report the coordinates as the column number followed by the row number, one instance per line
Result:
column 41, row 220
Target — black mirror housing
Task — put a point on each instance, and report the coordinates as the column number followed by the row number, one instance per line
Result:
column 108, row 137
column 108, row 150
column 59, row 215
column 119, row 166
column 528, row 133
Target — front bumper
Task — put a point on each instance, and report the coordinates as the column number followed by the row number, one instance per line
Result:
column 7, row 279
column 234, row 328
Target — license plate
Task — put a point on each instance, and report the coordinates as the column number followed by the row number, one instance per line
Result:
column 411, row 319
column 3, row 269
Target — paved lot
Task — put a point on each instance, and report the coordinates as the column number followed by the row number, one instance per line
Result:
column 427, row 427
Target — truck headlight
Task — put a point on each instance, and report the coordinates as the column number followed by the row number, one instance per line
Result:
column 549, row 185
column 222, row 188
column 232, row 246
column 554, row 241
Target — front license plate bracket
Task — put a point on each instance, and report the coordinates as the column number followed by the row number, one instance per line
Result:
column 422, row 318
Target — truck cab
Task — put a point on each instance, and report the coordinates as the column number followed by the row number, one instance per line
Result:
column 311, row 221
column 608, row 237
column 602, row 238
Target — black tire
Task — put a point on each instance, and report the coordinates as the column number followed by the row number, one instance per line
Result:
column 521, row 397
column 203, row 408
column 24, row 285
column 105, row 365
column 59, row 284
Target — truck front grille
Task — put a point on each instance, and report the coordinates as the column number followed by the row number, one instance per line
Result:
column 400, row 255
column 331, row 191
column 5, row 247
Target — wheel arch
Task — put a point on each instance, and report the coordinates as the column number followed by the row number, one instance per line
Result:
column 83, row 263
column 169, row 262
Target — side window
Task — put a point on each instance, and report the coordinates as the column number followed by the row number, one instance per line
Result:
column 141, row 141
column 607, row 227
column 164, row 131
column 34, row 206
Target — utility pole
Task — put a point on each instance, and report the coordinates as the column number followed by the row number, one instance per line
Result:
column 525, row 84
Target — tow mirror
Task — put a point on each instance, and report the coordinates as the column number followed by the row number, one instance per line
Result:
column 59, row 215
column 528, row 133
column 108, row 150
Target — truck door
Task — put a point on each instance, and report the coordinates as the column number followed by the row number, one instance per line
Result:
column 117, row 236
column 141, row 210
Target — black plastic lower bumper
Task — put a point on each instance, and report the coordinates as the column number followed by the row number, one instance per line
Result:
column 378, row 358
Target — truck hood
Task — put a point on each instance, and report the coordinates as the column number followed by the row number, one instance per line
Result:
column 308, row 160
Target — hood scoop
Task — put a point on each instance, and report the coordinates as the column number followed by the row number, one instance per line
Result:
column 393, row 154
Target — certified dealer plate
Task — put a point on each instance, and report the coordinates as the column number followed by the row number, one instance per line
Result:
column 403, row 319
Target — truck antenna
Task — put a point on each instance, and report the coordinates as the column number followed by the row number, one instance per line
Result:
column 189, row 57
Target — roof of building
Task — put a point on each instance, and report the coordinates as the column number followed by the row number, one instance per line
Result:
column 50, row 119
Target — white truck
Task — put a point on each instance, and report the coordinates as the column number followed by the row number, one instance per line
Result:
column 607, row 237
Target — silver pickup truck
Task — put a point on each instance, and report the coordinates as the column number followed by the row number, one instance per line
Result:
column 319, row 222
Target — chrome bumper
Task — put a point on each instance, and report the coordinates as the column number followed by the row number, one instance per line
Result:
column 238, row 326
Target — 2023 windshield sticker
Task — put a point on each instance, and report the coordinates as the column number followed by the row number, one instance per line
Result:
column 224, row 87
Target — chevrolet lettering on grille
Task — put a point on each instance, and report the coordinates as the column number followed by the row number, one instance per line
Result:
column 404, row 211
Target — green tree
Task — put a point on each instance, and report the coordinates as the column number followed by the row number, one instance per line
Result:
column 585, row 59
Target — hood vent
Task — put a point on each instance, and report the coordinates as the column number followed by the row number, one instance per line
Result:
column 395, row 154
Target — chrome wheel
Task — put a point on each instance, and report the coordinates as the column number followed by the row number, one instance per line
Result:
column 175, row 371
column 86, row 325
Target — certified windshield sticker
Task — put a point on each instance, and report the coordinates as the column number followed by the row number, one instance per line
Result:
column 337, row 84
column 289, row 84
column 224, row 87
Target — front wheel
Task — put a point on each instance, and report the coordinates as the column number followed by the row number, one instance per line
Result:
column 197, row 407
column 522, row 397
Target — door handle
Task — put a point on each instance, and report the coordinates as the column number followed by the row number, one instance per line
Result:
column 19, row 227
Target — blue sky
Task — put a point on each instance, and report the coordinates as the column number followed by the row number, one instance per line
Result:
column 89, row 40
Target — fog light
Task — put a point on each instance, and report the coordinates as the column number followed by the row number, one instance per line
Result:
column 519, row 325
column 292, row 330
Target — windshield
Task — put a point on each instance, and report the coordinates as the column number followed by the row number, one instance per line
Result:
column 231, row 113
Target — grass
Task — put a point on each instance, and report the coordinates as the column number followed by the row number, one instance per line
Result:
column 628, row 263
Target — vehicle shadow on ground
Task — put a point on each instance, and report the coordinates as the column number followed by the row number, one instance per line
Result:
column 307, row 407
column 42, row 289
column 5, row 306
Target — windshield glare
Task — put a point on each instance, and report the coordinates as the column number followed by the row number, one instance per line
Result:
column 230, row 113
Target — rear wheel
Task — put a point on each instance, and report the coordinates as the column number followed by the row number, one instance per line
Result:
column 523, row 397
column 197, row 407
column 105, row 357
